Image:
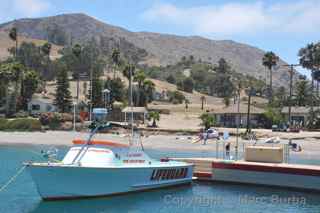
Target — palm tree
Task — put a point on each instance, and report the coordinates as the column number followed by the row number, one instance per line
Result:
column 270, row 60
column 13, row 34
column 126, row 72
column 148, row 89
column 309, row 58
column 154, row 116
column 11, row 72
column 140, row 77
column 203, row 100
column 46, row 49
column 5, row 79
column 77, row 50
column 115, row 56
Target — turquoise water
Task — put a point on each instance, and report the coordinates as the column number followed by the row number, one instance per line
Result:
column 21, row 195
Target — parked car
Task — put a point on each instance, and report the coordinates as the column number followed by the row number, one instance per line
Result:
column 209, row 134
column 294, row 129
column 279, row 128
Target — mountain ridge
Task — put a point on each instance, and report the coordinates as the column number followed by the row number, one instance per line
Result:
column 161, row 49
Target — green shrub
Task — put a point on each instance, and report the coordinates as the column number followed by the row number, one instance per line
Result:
column 55, row 121
column 176, row 97
column 3, row 123
column 23, row 124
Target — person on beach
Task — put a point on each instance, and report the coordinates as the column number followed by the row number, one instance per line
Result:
column 205, row 138
column 228, row 150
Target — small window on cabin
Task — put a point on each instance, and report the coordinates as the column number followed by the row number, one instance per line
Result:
column 35, row 107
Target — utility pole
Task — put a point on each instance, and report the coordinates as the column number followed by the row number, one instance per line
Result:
column 90, row 113
column 251, row 92
column 290, row 89
column 238, row 120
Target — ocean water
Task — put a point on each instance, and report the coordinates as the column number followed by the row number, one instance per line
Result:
column 21, row 195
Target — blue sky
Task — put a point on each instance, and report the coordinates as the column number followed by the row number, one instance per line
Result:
column 280, row 26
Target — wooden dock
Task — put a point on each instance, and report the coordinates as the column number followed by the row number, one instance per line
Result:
column 299, row 176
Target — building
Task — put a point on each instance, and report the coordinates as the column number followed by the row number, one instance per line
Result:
column 299, row 114
column 227, row 116
column 139, row 113
column 40, row 105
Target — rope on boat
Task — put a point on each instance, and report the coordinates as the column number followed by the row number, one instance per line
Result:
column 13, row 178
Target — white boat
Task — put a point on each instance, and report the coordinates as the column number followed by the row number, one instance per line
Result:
column 91, row 169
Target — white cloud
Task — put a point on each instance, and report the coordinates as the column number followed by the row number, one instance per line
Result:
column 30, row 7
column 14, row 9
column 240, row 18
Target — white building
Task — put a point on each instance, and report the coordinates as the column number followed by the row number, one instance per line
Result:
column 40, row 105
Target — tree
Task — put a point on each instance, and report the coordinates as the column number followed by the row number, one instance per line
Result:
column 19, row 85
column 46, row 49
column 273, row 116
column 188, row 85
column 129, row 68
column 115, row 56
column 220, row 83
column 6, row 76
column 154, row 116
column 76, row 50
column 30, row 85
column 97, row 87
column 176, row 97
column 270, row 60
column 13, row 34
column 140, row 77
column 62, row 95
column 207, row 120
column 280, row 97
column 29, row 55
column 148, row 90
column 309, row 58
column 303, row 93
column 171, row 79
column 17, row 70
column 117, row 88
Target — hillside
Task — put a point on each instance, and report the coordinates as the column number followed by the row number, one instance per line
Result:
column 6, row 43
column 149, row 48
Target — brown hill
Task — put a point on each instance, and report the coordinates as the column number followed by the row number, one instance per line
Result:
column 6, row 43
column 151, row 48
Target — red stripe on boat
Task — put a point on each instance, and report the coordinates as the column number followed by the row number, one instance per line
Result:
column 202, row 174
column 97, row 142
column 267, row 168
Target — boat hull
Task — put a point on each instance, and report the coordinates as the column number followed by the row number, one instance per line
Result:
column 72, row 182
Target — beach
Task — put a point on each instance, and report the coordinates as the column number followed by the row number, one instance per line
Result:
column 156, row 140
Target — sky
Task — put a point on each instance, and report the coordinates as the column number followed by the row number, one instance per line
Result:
column 281, row 26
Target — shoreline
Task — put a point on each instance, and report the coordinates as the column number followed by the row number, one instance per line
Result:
column 171, row 142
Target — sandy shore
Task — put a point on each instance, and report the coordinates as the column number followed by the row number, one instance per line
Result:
column 179, row 143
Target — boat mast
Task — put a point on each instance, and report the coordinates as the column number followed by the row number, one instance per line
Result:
column 131, row 100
